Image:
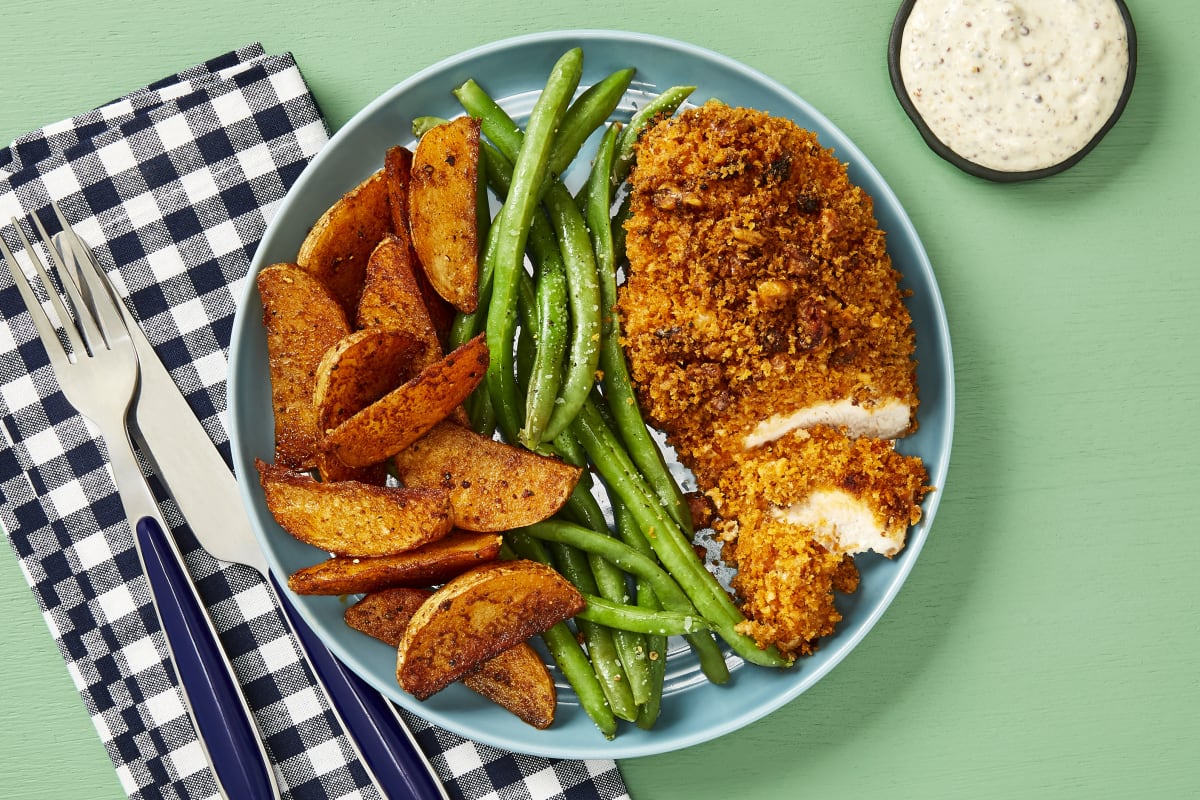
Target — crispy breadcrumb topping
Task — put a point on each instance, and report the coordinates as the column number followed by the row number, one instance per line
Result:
column 788, row 583
column 758, row 281
column 759, row 286
column 795, row 466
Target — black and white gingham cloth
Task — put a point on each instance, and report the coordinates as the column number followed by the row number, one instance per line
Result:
column 179, row 180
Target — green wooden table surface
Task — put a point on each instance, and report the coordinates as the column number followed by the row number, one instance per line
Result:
column 1045, row 646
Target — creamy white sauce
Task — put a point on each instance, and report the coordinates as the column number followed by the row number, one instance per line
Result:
column 1015, row 86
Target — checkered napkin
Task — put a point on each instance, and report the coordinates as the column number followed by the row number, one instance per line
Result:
column 178, row 180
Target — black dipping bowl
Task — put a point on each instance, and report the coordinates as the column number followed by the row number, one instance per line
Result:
column 939, row 147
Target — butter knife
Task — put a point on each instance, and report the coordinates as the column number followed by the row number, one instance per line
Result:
column 206, row 493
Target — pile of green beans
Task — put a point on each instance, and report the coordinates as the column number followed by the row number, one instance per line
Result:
column 558, row 384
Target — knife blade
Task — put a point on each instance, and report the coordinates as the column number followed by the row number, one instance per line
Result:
column 206, row 492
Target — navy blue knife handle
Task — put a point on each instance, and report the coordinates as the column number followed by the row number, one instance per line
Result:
column 217, row 707
column 399, row 766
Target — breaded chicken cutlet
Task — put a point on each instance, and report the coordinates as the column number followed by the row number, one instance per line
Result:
column 760, row 296
column 767, row 334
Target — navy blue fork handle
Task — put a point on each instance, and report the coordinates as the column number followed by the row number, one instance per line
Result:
column 220, row 713
column 401, row 769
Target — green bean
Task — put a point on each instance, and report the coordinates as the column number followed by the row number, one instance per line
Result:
column 708, row 653
column 574, row 240
column 584, row 298
column 570, row 450
column 627, row 558
column 662, row 105
column 551, row 339
column 671, row 545
column 529, row 172
column 640, row 620
column 599, row 639
column 577, row 668
column 565, row 648
column 422, row 125
column 631, row 649
column 550, row 292
column 656, row 645
column 656, row 661
column 587, row 113
column 582, row 508
column 480, row 411
column 618, row 228
column 616, row 383
column 670, row 594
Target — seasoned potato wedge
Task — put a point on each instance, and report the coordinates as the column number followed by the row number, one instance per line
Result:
column 351, row 518
column 385, row 614
column 392, row 298
column 338, row 246
column 442, row 216
column 515, row 679
column 398, row 419
column 476, row 616
column 397, row 168
column 355, row 372
column 428, row 565
column 493, row 486
column 302, row 320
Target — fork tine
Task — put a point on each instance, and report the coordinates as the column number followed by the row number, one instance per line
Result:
column 65, row 318
column 46, row 332
column 81, row 269
column 93, row 337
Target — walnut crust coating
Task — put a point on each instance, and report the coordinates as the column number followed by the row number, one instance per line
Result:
column 791, row 468
column 785, row 578
column 759, row 285
column 787, row 582
column 758, row 281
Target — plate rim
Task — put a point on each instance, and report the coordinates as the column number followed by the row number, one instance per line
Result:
column 848, row 152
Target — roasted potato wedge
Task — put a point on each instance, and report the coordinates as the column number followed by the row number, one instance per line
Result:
column 337, row 248
column 402, row 416
column 351, row 518
column 358, row 370
column 302, row 320
column 442, row 210
column 428, row 565
column 385, row 614
column 392, row 298
column 515, row 679
column 397, row 168
column 493, row 486
column 478, row 615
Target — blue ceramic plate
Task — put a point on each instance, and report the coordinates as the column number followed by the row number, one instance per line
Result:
column 513, row 71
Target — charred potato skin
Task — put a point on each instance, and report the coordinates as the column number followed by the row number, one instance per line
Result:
column 338, row 246
column 428, row 565
column 478, row 615
column 493, row 486
column 350, row 518
column 303, row 320
column 516, row 679
column 397, row 167
column 394, row 422
column 442, row 210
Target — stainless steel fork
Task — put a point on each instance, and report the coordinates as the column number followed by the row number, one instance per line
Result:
column 99, row 377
